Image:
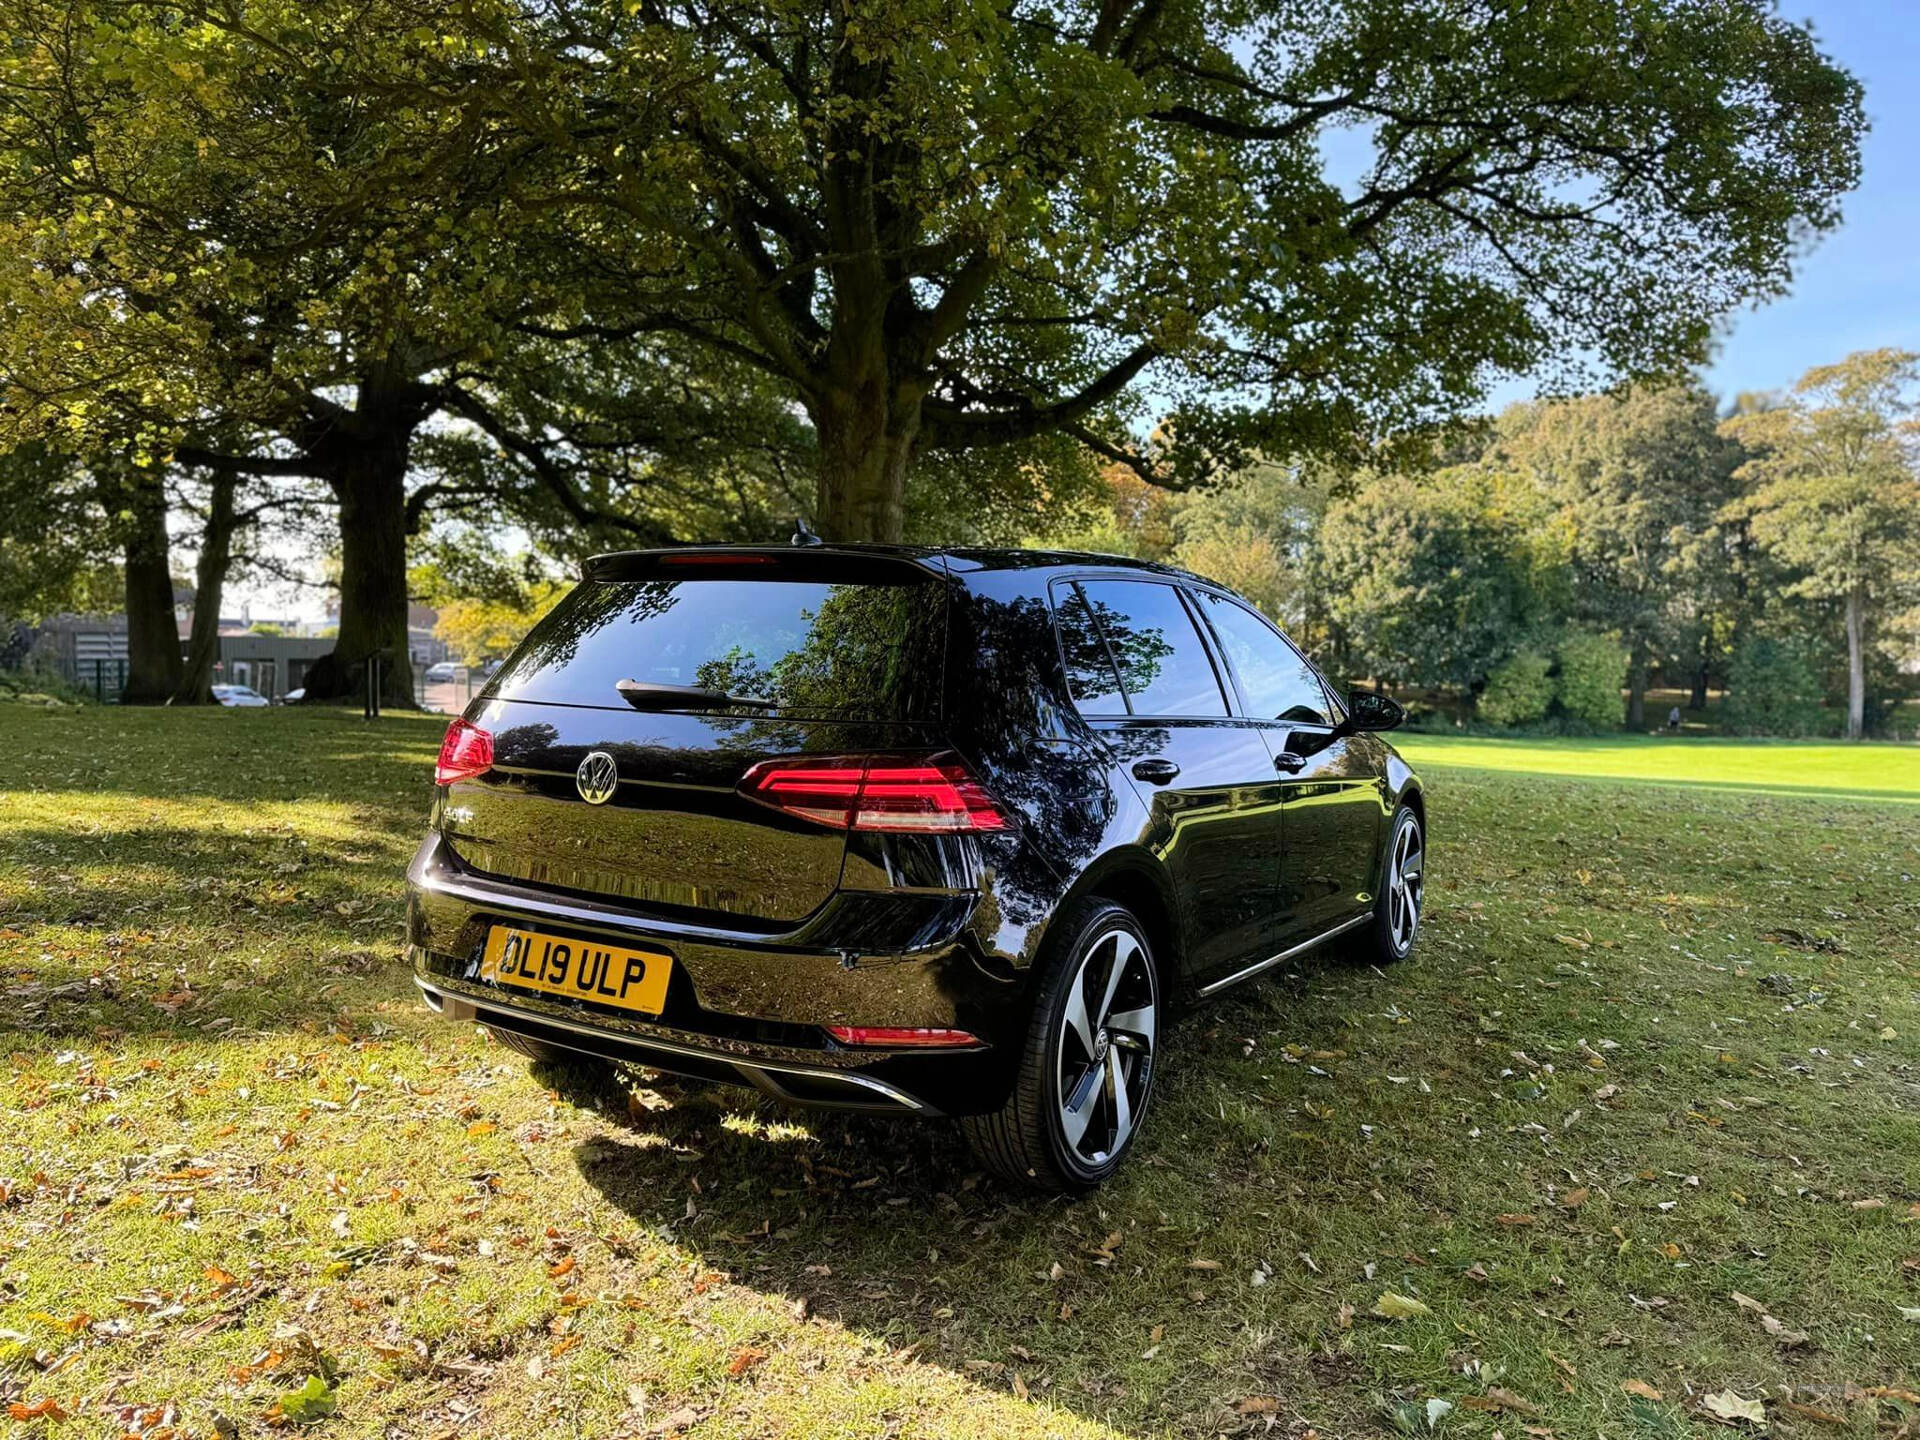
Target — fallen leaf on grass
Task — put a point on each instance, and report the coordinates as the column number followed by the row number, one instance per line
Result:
column 1203, row 1264
column 562, row 1267
column 1640, row 1388
column 479, row 1128
column 1394, row 1306
column 1729, row 1406
column 1258, row 1405
column 1513, row 1219
column 312, row 1402
column 1772, row 1324
column 1574, row 1199
column 1499, row 1399
column 744, row 1359
column 1813, row 1412
column 1788, row 1338
column 1910, row 1312
column 45, row 1408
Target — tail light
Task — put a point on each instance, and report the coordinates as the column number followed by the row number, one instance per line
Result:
column 467, row 751
column 934, row 794
column 900, row 1038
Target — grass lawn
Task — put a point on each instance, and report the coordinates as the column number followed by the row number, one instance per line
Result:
column 1656, row 1051
column 1874, row 771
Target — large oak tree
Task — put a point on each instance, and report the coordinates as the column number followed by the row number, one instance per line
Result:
column 947, row 224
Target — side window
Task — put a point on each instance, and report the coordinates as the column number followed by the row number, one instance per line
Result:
column 1090, row 678
column 1278, row 684
column 1162, row 660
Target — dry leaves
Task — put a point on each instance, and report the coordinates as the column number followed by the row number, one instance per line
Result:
column 1730, row 1406
column 1786, row 1336
column 1394, row 1306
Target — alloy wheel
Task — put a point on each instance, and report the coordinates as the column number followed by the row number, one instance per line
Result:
column 1405, row 885
column 1104, row 1060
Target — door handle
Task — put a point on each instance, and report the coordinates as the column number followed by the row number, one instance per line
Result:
column 1155, row 771
column 1288, row 763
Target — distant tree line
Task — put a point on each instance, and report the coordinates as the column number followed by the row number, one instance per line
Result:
column 1576, row 550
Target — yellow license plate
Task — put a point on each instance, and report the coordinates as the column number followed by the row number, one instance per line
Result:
column 608, row 974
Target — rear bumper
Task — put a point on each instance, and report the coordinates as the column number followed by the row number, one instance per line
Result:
column 797, row 1084
column 741, row 1007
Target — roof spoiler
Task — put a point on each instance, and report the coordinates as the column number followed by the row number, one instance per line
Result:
column 820, row 562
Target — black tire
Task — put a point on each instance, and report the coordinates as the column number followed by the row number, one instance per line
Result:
column 1389, row 936
column 1027, row 1140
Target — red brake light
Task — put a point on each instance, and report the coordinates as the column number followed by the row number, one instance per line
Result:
column 467, row 751
column 892, row 1035
column 921, row 795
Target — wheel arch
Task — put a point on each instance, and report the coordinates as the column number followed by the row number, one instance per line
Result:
column 1134, row 878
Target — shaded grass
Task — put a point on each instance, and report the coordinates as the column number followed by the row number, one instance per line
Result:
column 1655, row 1048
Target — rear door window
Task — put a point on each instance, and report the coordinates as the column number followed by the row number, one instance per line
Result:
column 1163, row 663
column 865, row 651
column 1275, row 681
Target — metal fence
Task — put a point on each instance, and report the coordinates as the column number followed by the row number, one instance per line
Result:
column 102, row 678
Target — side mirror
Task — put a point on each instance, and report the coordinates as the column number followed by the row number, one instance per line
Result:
column 1368, row 711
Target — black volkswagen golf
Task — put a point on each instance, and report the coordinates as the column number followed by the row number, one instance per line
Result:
column 915, row 831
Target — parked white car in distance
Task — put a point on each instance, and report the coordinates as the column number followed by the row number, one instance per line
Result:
column 239, row 696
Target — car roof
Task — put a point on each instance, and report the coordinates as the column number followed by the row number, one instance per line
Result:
column 949, row 560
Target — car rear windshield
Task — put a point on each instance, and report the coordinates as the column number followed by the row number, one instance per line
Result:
column 865, row 651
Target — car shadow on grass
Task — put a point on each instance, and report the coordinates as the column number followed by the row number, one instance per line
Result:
column 887, row 1228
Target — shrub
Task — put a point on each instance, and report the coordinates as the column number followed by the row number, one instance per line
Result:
column 1519, row 690
column 1773, row 688
column 40, row 685
column 1592, row 670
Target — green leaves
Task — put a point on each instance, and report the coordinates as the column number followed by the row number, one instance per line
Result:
column 312, row 1402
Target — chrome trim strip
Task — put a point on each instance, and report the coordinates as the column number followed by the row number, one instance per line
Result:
column 768, row 1067
column 1288, row 954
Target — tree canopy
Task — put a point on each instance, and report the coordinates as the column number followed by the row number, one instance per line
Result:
column 949, row 225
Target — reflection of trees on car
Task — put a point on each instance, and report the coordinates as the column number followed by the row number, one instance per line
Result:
column 556, row 640
column 1137, row 649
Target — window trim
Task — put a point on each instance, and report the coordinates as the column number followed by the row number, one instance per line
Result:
column 1229, row 694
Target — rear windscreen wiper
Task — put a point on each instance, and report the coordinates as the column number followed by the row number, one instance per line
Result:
column 643, row 695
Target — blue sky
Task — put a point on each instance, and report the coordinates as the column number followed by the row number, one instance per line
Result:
column 1859, row 288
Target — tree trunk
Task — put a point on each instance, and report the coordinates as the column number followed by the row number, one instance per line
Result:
column 1701, row 677
column 153, row 635
column 210, row 579
column 1637, row 663
column 369, row 478
column 1856, row 662
column 866, row 439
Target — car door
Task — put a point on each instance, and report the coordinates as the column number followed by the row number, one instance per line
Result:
column 1148, row 683
column 1332, row 786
